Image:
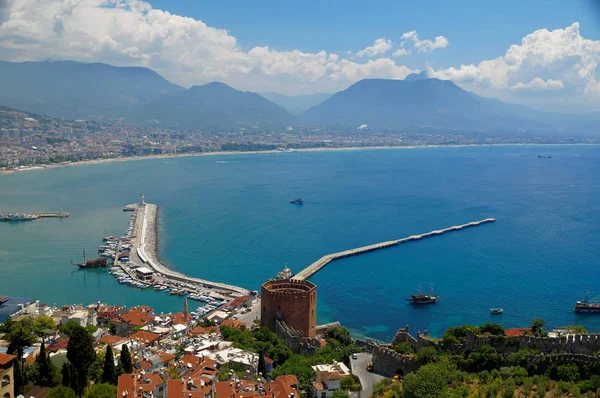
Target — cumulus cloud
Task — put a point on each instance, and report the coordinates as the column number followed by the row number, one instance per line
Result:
column 184, row 50
column 539, row 84
column 379, row 47
column 426, row 45
column 401, row 52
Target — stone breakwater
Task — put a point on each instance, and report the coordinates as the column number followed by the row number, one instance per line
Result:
column 146, row 247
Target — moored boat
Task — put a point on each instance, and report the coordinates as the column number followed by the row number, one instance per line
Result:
column 420, row 298
column 587, row 305
column 496, row 311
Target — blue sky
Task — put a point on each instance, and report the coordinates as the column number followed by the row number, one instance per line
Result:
column 544, row 54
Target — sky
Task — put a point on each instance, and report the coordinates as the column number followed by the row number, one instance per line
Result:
column 540, row 53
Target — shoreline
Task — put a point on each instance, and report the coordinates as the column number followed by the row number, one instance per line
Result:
column 274, row 151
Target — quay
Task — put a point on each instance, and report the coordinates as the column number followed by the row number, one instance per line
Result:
column 144, row 250
column 32, row 216
column 323, row 261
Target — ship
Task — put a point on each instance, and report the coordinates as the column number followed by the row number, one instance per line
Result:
column 496, row 311
column 544, row 157
column 587, row 305
column 19, row 217
column 420, row 298
column 297, row 201
column 95, row 263
column 286, row 273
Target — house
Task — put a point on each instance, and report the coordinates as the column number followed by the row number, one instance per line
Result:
column 136, row 317
column 147, row 385
column 13, row 306
column 233, row 323
column 7, row 388
column 108, row 312
column 142, row 336
column 282, row 387
column 327, row 377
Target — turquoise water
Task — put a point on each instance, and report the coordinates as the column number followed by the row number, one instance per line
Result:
column 227, row 218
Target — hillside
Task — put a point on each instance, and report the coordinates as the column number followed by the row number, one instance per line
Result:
column 74, row 90
column 296, row 104
column 418, row 102
column 215, row 105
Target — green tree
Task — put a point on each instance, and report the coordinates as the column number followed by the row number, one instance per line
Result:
column 109, row 372
column 508, row 390
column 81, row 354
column 66, row 374
column 339, row 393
column 45, row 367
column 430, row 381
column 61, row 392
column 20, row 336
column 68, row 327
column 349, row 384
column 483, row 358
column 568, row 373
column 537, row 326
column 427, row 354
column 403, row 348
column 339, row 334
column 102, row 390
column 125, row 360
column 262, row 365
column 493, row 329
column 42, row 323
column 280, row 353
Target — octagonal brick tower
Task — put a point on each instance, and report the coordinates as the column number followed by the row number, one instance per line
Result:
column 291, row 301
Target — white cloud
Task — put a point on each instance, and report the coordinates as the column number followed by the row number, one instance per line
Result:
column 379, row 47
column 184, row 50
column 401, row 52
column 539, row 84
column 425, row 45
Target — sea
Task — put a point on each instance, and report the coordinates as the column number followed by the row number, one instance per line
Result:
column 228, row 218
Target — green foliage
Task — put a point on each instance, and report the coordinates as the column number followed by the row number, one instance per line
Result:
column 113, row 329
column 576, row 329
column 227, row 368
column 102, row 390
column 262, row 365
column 427, row 354
column 403, row 348
column 492, row 390
column 381, row 387
column 205, row 323
column 43, row 322
column 109, row 371
column 430, row 381
column 81, row 354
column 241, row 338
column 460, row 332
column 125, row 360
column 66, row 374
column 339, row 393
column 61, row 392
column 45, row 368
column 68, row 327
column 91, row 329
column 348, row 383
column 483, row 358
column 339, row 334
column 20, row 335
column 493, row 329
column 537, row 326
column 567, row 373
column 448, row 340
column 508, row 390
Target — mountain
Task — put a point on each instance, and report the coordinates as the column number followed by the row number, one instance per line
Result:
column 74, row 90
column 215, row 105
column 296, row 104
column 413, row 77
column 419, row 102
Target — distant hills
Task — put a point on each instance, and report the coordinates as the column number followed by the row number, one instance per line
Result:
column 72, row 90
column 296, row 104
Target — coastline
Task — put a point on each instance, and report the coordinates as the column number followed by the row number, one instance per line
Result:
column 228, row 153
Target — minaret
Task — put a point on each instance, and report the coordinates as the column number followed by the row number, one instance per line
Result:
column 142, row 199
column 185, row 309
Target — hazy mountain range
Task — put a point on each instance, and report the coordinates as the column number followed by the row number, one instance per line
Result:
column 72, row 90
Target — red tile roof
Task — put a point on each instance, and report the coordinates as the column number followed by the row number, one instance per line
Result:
column 233, row 323
column 145, row 337
column 137, row 316
column 6, row 358
column 59, row 345
column 111, row 340
column 198, row 330
column 517, row 332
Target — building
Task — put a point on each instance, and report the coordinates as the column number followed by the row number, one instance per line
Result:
column 291, row 301
column 327, row 378
column 7, row 388
column 13, row 306
column 144, row 274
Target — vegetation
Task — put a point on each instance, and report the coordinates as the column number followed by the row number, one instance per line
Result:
column 109, row 372
column 20, row 335
column 42, row 323
column 81, row 355
column 125, row 360
column 403, row 348
column 61, row 392
column 102, row 391
column 537, row 327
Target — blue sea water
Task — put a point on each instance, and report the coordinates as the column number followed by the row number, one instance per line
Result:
column 228, row 219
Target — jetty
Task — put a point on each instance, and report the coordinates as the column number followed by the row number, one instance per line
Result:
column 21, row 216
column 323, row 261
column 144, row 245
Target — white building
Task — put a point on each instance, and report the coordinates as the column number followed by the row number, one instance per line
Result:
column 327, row 378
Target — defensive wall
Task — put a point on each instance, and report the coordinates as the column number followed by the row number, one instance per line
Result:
column 291, row 301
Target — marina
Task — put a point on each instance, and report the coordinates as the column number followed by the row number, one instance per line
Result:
column 323, row 261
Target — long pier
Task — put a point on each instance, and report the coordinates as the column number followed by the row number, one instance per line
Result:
column 323, row 261
column 35, row 216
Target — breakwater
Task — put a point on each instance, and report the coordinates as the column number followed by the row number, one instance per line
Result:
column 145, row 249
column 323, row 261
column 32, row 216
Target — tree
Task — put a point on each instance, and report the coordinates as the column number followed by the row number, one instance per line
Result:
column 262, row 365
column 20, row 336
column 109, row 373
column 403, row 348
column 42, row 323
column 66, row 374
column 340, row 334
column 102, row 390
column 493, row 329
column 68, row 327
column 427, row 354
column 61, row 392
column 537, row 326
column 81, row 355
column 339, row 393
column 45, row 367
column 483, row 358
column 430, row 381
column 125, row 360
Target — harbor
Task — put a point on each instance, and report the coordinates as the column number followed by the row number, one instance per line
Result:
column 323, row 261
column 32, row 216
column 135, row 262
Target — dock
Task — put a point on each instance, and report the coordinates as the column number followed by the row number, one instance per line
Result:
column 33, row 216
column 323, row 261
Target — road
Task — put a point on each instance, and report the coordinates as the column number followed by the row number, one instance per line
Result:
column 254, row 314
column 367, row 379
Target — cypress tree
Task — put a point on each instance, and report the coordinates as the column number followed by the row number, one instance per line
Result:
column 81, row 355
column 109, row 371
column 262, row 365
column 66, row 375
column 45, row 378
column 125, row 360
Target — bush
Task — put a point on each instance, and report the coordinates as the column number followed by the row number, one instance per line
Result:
column 493, row 329
column 493, row 390
column 427, row 354
column 483, row 358
column 61, row 392
column 349, row 383
column 567, row 373
column 460, row 392
column 403, row 348
column 508, row 391
column 430, row 381
column 563, row 386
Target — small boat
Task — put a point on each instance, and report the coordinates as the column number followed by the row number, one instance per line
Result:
column 420, row 298
column 496, row 311
column 544, row 157
column 297, row 201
